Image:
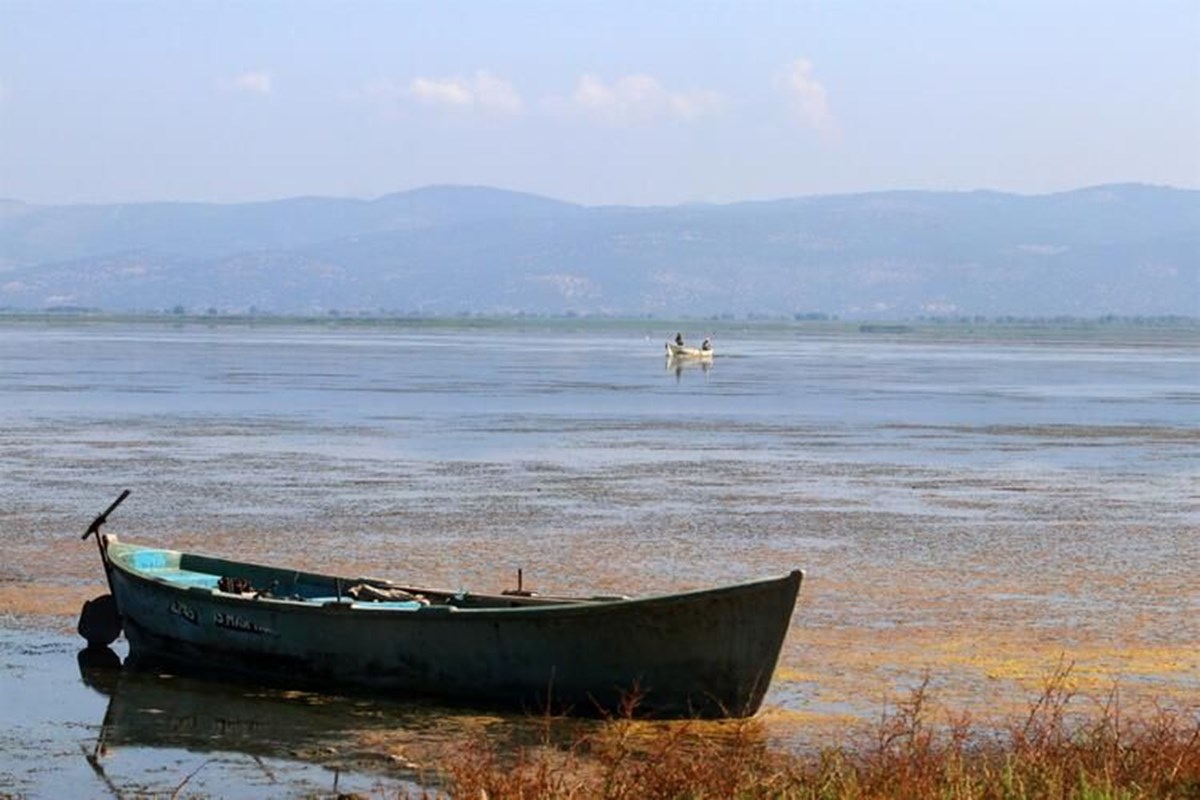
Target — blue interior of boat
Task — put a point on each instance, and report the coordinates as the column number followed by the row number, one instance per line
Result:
column 185, row 577
column 188, row 578
column 166, row 565
column 147, row 559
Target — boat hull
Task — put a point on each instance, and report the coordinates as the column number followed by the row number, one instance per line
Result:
column 682, row 352
column 706, row 654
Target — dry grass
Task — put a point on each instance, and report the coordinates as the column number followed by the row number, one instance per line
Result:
column 1066, row 746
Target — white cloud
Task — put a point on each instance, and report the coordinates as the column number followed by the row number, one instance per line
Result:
column 445, row 92
column 639, row 98
column 258, row 82
column 495, row 94
column 808, row 96
column 481, row 92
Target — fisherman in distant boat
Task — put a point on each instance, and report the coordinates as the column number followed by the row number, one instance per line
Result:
column 679, row 339
column 707, row 345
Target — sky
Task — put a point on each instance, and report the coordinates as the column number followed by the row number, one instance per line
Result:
column 649, row 102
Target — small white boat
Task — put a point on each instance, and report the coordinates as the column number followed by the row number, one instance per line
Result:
column 680, row 351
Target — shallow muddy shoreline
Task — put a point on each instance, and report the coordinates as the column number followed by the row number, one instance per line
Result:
column 978, row 513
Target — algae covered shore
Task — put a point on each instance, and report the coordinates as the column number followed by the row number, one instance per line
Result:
column 976, row 513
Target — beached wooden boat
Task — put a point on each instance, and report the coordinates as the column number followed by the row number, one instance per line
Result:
column 706, row 653
column 682, row 352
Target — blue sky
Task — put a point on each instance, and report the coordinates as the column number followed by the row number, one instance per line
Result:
column 648, row 102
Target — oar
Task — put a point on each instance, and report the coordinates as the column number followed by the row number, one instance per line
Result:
column 103, row 518
column 100, row 620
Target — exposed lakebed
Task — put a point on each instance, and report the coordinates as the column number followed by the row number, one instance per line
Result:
column 971, row 507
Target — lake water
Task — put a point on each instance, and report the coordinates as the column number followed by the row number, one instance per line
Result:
column 974, row 506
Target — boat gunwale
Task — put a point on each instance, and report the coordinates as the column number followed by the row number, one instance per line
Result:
column 566, row 606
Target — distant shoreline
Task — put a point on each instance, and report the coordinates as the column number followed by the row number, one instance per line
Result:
column 1134, row 331
column 873, row 324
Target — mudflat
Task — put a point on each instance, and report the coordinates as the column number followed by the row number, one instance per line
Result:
column 972, row 509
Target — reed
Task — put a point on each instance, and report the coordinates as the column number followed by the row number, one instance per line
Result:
column 1065, row 746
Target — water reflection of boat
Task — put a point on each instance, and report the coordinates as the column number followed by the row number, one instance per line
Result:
column 703, row 653
column 680, row 365
column 151, row 707
column 152, row 704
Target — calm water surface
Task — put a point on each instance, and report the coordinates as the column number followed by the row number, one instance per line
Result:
column 975, row 505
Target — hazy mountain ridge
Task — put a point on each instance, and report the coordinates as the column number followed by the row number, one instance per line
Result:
column 1120, row 249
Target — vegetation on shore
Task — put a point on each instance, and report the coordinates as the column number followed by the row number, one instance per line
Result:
column 1056, row 750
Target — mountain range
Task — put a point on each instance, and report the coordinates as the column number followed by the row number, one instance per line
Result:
column 1127, row 250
